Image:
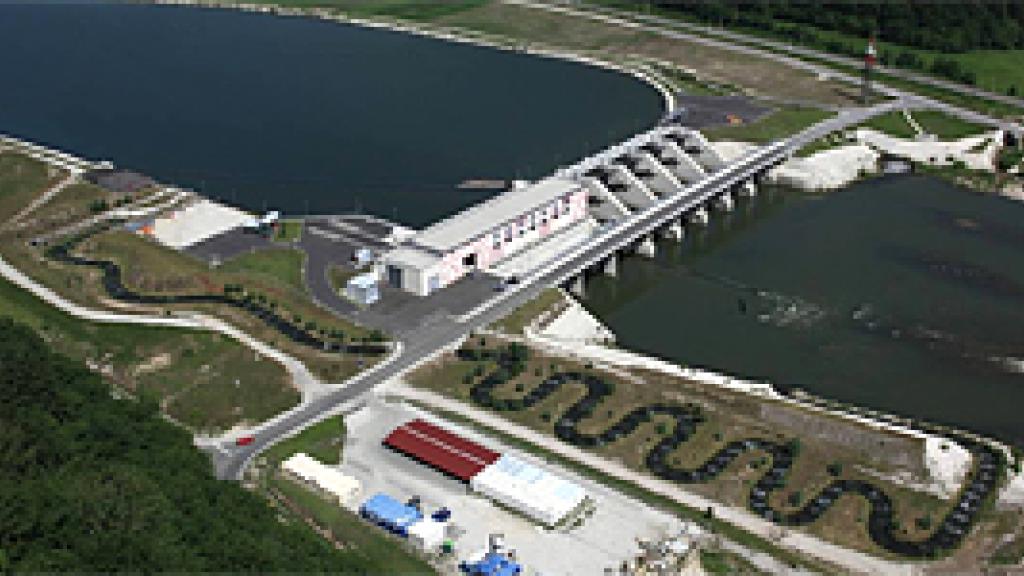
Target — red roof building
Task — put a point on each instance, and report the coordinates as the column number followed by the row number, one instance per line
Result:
column 440, row 449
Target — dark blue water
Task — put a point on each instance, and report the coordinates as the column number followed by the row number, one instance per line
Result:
column 298, row 114
column 904, row 293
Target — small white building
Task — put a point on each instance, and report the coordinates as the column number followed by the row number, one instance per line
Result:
column 535, row 492
column 328, row 481
column 483, row 235
column 427, row 535
column 363, row 289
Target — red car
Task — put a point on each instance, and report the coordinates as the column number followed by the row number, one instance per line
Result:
column 244, row 441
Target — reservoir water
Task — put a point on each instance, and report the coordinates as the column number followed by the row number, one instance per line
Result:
column 903, row 293
column 299, row 114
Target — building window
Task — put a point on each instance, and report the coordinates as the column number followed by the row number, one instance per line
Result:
column 469, row 260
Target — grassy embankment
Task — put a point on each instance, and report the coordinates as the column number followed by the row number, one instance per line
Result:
column 550, row 300
column 730, row 416
column 272, row 276
column 288, row 231
column 203, row 380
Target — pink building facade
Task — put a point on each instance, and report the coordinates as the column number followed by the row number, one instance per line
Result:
column 483, row 235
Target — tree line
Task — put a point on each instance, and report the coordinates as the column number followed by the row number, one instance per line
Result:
column 948, row 28
column 90, row 483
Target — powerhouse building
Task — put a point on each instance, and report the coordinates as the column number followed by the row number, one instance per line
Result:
column 533, row 491
column 483, row 235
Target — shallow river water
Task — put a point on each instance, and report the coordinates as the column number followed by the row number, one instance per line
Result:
column 903, row 293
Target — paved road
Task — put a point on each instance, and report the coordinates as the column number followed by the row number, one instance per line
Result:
column 438, row 331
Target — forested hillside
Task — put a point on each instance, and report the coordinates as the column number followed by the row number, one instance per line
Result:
column 93, row 484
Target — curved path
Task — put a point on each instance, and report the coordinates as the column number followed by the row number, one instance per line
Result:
column 114, row 286
column 882, row 527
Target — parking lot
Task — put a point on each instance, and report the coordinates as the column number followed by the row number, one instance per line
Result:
column 604, row 539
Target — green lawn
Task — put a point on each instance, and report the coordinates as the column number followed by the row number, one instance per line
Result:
column 21, row 180
column 893, row 124
column 780, row 123
column 322, row 441
column 945, row 126
column 520, row 317
column 278, row 264
column 339, row 277
column 288, row 231
column 205, row 380
column 940, row 124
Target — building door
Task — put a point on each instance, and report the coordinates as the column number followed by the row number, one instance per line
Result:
column 395, row 276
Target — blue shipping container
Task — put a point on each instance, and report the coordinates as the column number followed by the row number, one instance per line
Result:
column 389, row 513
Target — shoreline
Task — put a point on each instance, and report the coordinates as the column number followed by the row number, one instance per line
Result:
column 947, row 468
column 426, row 30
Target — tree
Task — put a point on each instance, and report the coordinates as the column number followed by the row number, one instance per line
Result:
column 95, row 484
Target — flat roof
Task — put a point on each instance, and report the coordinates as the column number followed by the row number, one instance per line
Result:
column 480, row 219
column 440, row 449
column 411, row 256
column 530, row 489
column 328, row 479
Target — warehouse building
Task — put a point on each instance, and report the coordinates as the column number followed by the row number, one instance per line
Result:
column 326, row 480
column 483, row 235
column 436, row 447
column 510, row 481
column 539, row 494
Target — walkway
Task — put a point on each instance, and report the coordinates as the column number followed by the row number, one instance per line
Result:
column 303, row 379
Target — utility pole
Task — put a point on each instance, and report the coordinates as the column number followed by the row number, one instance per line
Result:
column 870, row 57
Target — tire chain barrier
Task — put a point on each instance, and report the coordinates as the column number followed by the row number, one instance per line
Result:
column 882, row 527
column 115, row 288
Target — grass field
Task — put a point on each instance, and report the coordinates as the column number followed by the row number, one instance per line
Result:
column 322, row 441
column 339, row 276
column 288, row 231
column 778, row 124
column 203, row 380
column 730, row 416
column 279, row 264
column 272, row 276
column 514, row 323
column 355, row 534
column 21, row 180
column 940, row 124
column 893, row 124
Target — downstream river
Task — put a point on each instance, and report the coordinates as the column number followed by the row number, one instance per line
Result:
column 298, row 114
column 902, row 293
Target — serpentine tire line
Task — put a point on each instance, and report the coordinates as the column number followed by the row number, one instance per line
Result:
column 115, row 288
column 882, row 527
